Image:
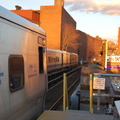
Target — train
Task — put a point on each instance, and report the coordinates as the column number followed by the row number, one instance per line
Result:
column 23, row 68
column 24, row 63
column 58, row 59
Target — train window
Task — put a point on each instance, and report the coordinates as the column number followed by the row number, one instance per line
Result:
column 49, row 59
column 16, row 72
column 41, row 68
column 62, row 58
column 53, row 59
column 57, row 59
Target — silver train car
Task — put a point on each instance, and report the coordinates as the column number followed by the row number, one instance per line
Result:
column 23, row 68
column 57, row 59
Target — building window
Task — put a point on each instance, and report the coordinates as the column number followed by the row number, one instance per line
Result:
column 16, row 72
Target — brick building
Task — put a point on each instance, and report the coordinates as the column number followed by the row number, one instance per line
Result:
column 90, row 47
column 52, row 19
column 31, row 15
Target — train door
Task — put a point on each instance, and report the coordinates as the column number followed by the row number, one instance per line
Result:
column 42, row 82
column 70, row 59
column 68, row 62
column 62, row 59
column 41, row 66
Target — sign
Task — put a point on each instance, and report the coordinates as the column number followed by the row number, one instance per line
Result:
column 41, row 41
column 113, row 58
column 113, row 67
column 113, row 63
column 99, row 83
column 32, row 70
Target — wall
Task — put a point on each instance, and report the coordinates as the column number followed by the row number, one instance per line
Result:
column 52, row 19
column 89, row 47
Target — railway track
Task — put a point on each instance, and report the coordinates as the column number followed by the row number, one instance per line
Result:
column 55, row 87
column 55, row 77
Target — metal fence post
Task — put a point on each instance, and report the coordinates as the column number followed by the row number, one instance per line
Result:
column 91, row 94
column 65, row 93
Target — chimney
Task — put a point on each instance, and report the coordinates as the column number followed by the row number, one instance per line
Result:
column 59, row 2
column 18, row 7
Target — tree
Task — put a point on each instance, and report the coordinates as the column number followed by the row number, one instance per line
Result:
column 112, row 48
column 69, row 37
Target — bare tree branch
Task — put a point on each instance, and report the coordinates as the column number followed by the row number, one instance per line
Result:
column 69, row 37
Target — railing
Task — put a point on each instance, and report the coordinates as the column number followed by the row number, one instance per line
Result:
column 116, row 112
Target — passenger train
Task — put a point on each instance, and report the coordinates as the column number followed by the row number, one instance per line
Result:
column 23, row 67
column 57, row 59
column 23, row 81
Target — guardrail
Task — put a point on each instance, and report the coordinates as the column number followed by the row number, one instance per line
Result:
column 98, row 83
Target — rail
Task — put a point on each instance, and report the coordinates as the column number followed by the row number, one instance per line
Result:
column 60, row 98
column 59, row 77
column 68, row 89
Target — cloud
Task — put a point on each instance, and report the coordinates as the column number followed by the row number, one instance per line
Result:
column 110, row 7
column 48, row 1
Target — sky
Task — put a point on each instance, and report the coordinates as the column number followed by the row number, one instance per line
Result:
column 94, row 17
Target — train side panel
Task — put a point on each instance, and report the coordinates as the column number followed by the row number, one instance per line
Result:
column 23, row 81
column 4, row 88
column 68, row 59
column 54, row 59
column 74, row 59
column 57, row 59
column 64, row 59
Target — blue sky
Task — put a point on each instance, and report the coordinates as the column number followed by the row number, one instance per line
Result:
column 94, row 17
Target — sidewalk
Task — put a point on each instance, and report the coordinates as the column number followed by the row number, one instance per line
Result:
column 92, row 68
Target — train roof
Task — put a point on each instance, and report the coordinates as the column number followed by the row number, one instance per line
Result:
column 14, row 18
column 54, row 50
column 49, row 49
